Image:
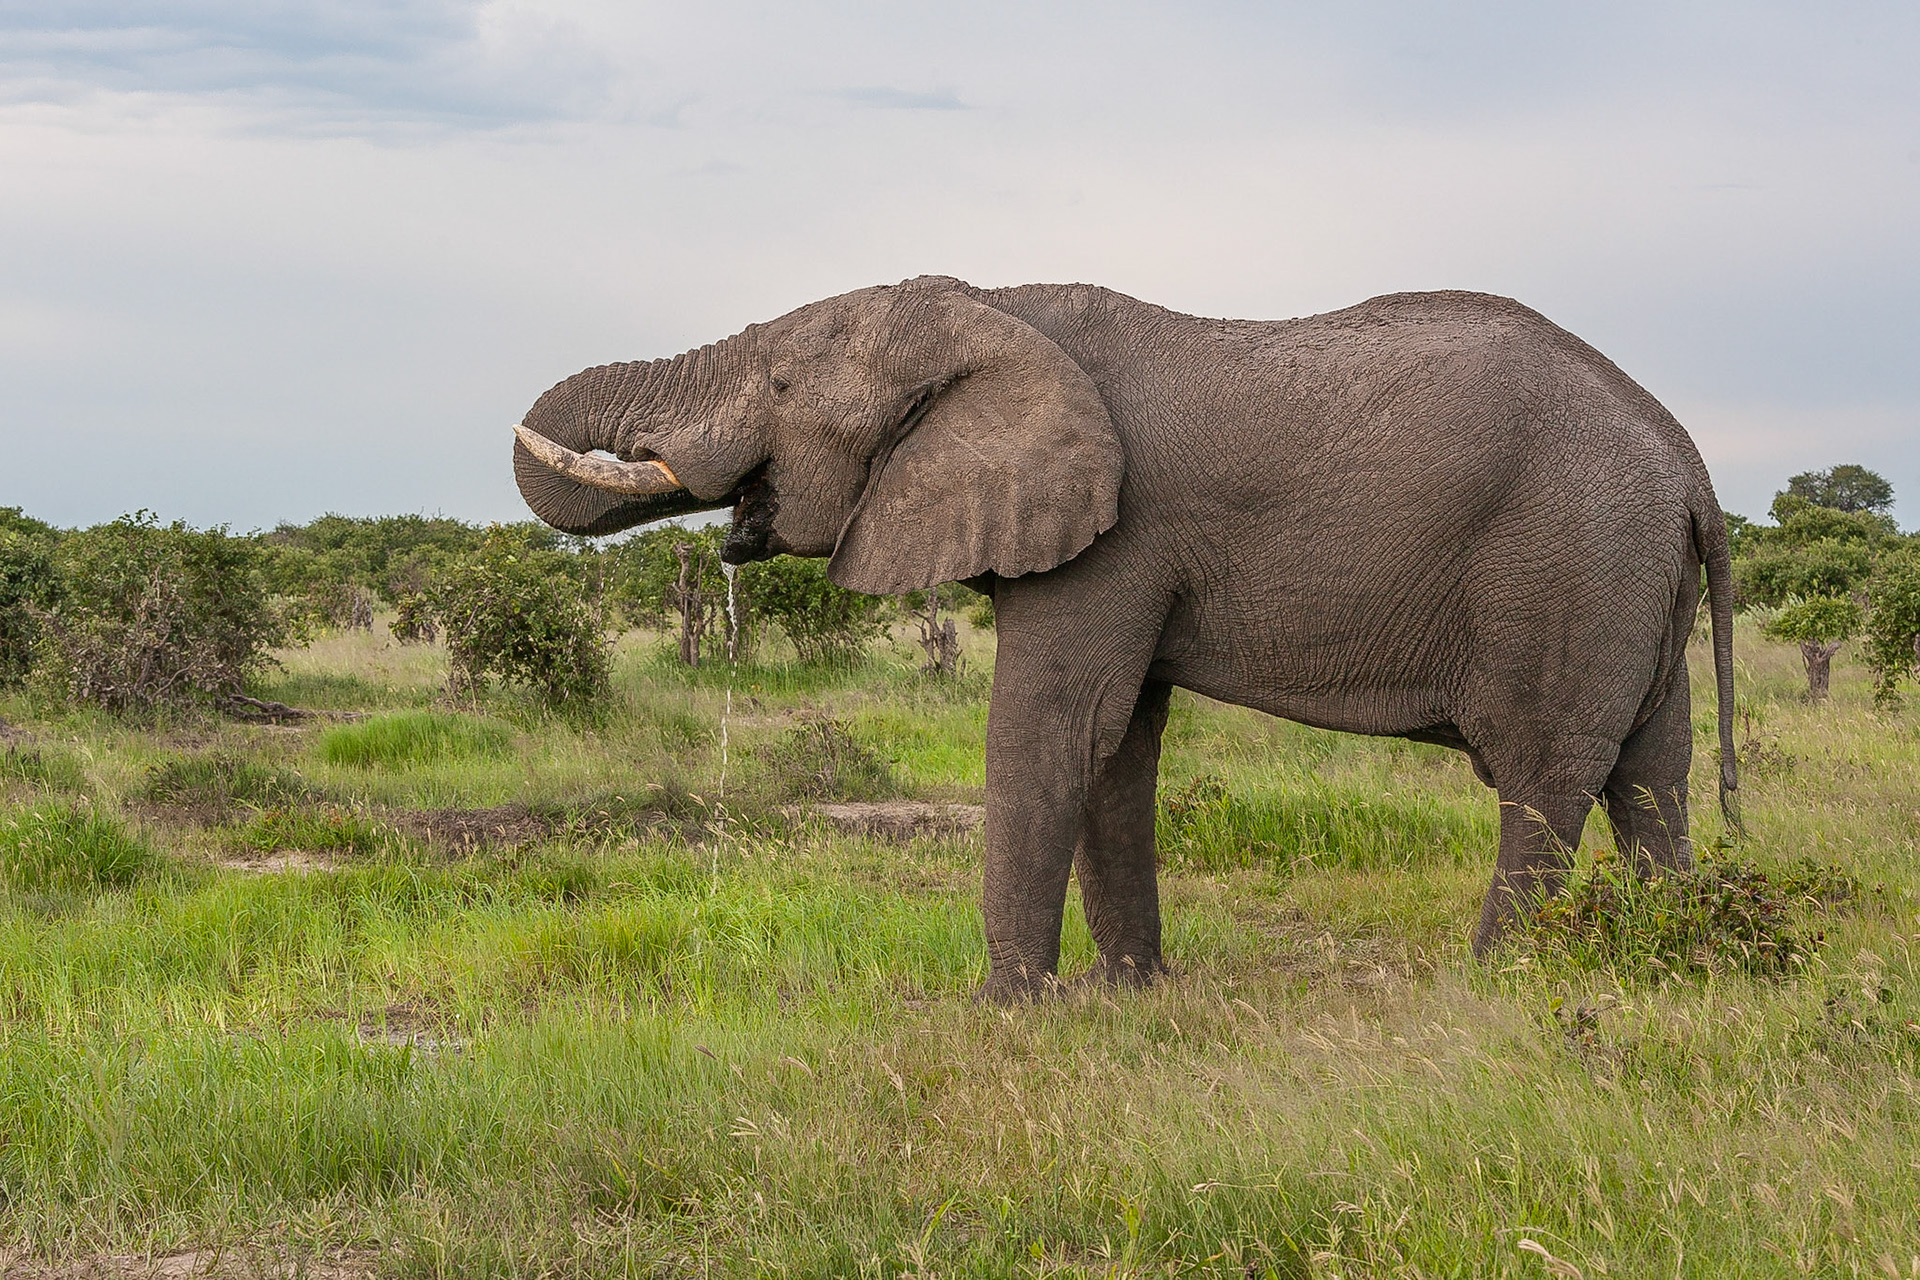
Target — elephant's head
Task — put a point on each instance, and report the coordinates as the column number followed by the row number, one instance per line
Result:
column 913, row 433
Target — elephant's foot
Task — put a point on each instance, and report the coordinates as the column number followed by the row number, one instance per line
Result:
column 1020, row 986
column 1125, row 972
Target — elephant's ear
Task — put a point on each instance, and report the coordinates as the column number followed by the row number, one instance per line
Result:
column 1010, row 464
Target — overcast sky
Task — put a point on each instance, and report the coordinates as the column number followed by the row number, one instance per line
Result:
column 260, row 261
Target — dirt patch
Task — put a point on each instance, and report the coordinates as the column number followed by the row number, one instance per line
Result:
column 463, row 830
column 280, row 862
column 415, row 1026
column 195, row 1264
column 10, row 735
column 896, row 819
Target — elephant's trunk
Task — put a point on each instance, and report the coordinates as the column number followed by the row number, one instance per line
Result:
column 568, row 488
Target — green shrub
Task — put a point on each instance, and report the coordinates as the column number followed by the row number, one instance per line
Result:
column 514, row 612
column 380, row 553
column 1893, row 629
column 827, row 624
column 413, row 737
column 70, row 848
column 154, row 616
column 220, row 781
column 1722, row 916
column 819, row 759
column 29, row 587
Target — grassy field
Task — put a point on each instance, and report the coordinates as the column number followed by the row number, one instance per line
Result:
column 477, row 993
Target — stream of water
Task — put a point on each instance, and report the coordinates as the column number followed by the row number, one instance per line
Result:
column 726, row 713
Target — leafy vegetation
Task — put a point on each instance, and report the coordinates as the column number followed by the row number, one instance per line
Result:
column 820, row 759
column 1848, row 487
column 29, row 586
column 514, row 612
column 1821, row 567
column 827, row 624
column 1721, row 916
column 151, row 617
column 256, row 1002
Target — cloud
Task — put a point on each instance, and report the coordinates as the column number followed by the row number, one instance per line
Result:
column 903, row 100
column 274, row 259
column 348, row 65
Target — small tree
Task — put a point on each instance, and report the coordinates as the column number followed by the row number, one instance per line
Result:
column 515, row 612
column 1814, row 566
column 938, row 638
column 1819, row 625
column 826, row 623
column 672, row 576
column 153, row 616
column 1843, row 488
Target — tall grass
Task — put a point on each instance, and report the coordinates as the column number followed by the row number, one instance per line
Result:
column 414, row 737
column 723, row 1049
column 63, row 847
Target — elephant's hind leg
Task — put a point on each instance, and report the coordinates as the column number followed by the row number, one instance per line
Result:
column 1116, row 861
column 1544, row 804
column 1646, row 795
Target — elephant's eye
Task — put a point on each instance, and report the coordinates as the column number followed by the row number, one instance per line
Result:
column 778, row 383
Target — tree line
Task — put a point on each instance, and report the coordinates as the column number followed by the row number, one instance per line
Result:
column 136, row 616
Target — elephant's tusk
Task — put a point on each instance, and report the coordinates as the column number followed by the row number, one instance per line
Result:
column 636, row 479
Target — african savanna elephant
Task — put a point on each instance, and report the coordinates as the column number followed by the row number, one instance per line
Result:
column 1436, row 516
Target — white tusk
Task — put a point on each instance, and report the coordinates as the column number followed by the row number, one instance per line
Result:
column 636, row 479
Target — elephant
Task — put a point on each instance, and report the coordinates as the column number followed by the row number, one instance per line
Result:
column 1436, row 516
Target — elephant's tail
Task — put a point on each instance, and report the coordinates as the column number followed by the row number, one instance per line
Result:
column 1710, row 540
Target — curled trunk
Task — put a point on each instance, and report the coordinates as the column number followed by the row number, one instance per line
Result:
column 587, row 412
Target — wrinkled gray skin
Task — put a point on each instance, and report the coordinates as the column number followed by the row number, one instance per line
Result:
column 1434, row 516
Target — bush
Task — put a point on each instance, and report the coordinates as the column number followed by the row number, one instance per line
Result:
column 514, row 611
column 220, row 781
column 826, row 623
column 70, row 848
column 820, row 759
column 1722, row 916
column 28, row 588
column 376, row 552
column 414, row 737
column 154, row 616
column 1893, row 630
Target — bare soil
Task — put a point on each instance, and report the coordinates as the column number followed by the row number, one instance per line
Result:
column 900, row 820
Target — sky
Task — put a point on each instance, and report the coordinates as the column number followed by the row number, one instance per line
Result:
column 261, row 261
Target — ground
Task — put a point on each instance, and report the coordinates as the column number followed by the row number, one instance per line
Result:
column 487, row 993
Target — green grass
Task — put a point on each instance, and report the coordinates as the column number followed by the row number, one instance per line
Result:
column 220, row 780
column 44, row 768
column 69, row 848
column 411, row 738
column 729, row 1045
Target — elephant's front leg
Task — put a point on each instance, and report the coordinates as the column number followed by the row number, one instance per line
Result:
column 1116, row 861
column 1057, row 712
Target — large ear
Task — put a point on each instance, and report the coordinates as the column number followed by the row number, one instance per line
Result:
column 1011, row 466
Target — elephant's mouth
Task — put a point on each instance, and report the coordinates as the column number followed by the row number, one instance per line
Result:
column 752, row 536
